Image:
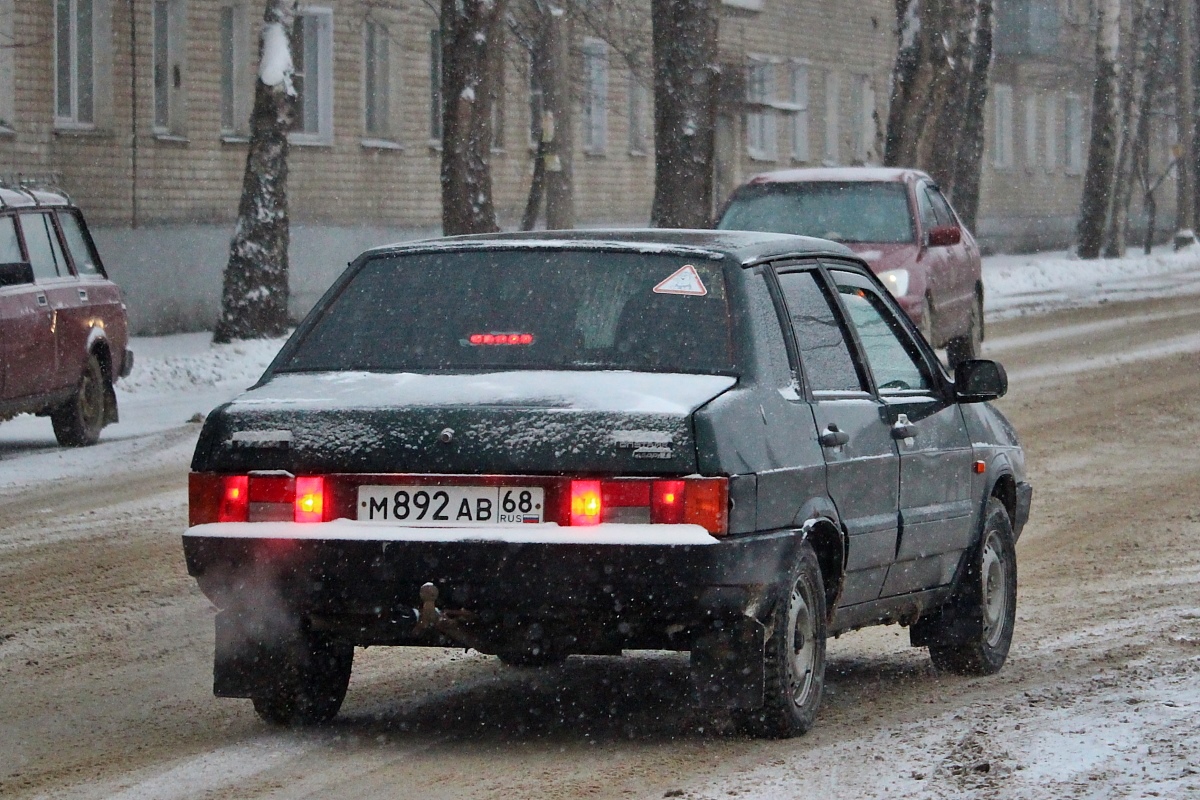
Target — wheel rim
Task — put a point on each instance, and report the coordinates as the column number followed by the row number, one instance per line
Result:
column 802, row 645
column 995, row 590
column 91, row 399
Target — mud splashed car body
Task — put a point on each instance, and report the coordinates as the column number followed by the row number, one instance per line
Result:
column 726, row 443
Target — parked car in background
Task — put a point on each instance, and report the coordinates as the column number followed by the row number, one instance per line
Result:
column 894, row 219
column 63, row 329
column 539, row 445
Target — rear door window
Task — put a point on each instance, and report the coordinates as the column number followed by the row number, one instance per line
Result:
column 10, row 246
column 525, row 309
column 824, row 355
column 41, row 240
column 82, row 253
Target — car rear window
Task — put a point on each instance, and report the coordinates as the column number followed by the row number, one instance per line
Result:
column 524, row 309
column 843, row 211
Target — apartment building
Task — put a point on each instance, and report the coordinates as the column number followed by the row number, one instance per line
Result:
column 141, row 109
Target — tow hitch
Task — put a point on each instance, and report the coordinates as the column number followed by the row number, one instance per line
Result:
column 431, row 619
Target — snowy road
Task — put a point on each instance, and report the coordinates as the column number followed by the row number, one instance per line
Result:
column 105, row 643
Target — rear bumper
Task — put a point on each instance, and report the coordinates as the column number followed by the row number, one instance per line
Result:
column 608, row 585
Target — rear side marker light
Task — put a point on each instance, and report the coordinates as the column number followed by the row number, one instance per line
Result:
column 310, row 500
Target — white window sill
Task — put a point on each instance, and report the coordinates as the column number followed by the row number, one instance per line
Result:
column 6, row 131
column 596, row 153
column 234, row 138
column 435, row 145
column 381, row 144
column 749, row 5
column 68, row 128
column 310, row 140
column 171, row 138
column 638, row 153
column 758, row 155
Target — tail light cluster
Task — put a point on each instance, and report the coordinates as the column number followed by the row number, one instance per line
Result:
column 280, row 497
column 255, row 498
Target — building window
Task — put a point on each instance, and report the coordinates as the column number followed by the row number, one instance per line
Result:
column 863, row 103
column 74, row 62
column 312, row 76
column 595, row 96
column 1050, row 123
column 1002, row 131
column 798, row 95
column 639, row 105
column 377, row 80
column 1031, row 131
column 435, row 86
column 169, row 18
column 1073, row 134
column 761, row 137
column 833, row 110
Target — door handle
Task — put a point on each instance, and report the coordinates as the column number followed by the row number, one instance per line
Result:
column 41, row 299
column 832, row 437
column 903, row 429
column 83, row 295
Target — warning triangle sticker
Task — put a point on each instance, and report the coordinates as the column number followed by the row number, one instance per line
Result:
column 685, row 280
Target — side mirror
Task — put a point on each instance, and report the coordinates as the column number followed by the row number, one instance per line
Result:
column 945, row 235
column 978, row 380
column 16, row 273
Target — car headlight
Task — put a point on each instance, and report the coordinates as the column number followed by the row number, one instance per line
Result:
column 896, row 280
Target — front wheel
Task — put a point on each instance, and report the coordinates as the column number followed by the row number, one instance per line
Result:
column 79, row 421
column 794, row 659
column 309, row 683
column 985, row 607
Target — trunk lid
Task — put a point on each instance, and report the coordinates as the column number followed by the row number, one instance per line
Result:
column 518, row 422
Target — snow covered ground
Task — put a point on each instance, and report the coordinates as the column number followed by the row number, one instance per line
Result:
column 1131, row 734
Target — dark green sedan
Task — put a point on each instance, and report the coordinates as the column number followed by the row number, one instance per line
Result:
column 538, row 445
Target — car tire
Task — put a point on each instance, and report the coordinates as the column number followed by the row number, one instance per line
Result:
column 794, row 658
column 309, row 683
column 969, row 345
column 984, row 608
column 77, row 423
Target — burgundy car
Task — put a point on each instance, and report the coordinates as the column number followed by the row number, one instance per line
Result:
column 894, row 219
column 63, row 331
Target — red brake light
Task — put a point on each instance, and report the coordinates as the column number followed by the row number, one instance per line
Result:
column 500, row 338
column 310, row 500
column 585, row 503
column 666, row 502
column 235, row 499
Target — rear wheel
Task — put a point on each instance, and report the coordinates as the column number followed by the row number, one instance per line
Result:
column 794, row 661
column 970, row 344
column 984, row 611
column 310, row 681
column 79, row 421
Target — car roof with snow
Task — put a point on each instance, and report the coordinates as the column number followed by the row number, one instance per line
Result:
column 12, row 196
column 744, row 247
column 840, row 175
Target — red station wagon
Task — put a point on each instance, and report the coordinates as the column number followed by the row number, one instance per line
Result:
column 894, row 219
column 63, row 330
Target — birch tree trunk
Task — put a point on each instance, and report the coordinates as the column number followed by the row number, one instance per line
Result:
column 1102, row 149
column 254, row 299
column 939, row 89
column 552, row 177
column 1185, row 116
column 472, row 48
column 685, row 111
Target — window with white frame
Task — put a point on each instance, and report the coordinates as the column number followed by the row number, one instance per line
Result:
column 435, row 86
column 762, row 140
column 639, row 115
column 1002, row 127
column 863, row 102
column 1050, row 125
column 377, row 80
column 833, row 118
column 595, row 96
column 1073, row 134
column 168, row 19
column 798, row 96
column 312, row 76
column 1031, row 131
column 74, row 62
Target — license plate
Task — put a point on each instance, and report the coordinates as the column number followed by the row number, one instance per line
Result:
column 452, row 506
